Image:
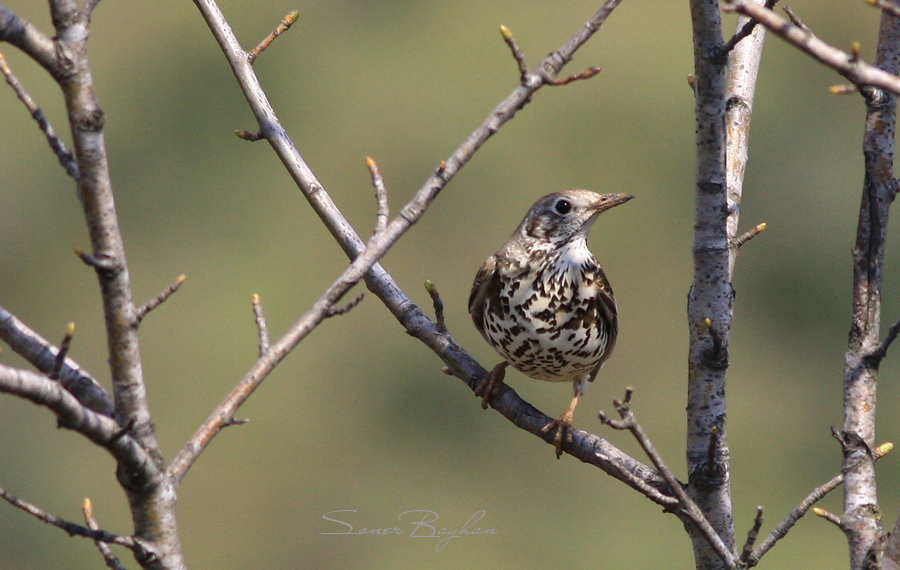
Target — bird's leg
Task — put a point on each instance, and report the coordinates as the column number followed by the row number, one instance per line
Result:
column 490, row 382
column 563, row 424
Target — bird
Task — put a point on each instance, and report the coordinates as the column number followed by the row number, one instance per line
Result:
column 543, row 302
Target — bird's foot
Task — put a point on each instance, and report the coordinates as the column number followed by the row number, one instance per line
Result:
column 562, row 428
column 490, row 382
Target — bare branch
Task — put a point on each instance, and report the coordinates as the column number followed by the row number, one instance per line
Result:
column 796, row 20
column 686, row 505
column 855, row 70
column 877, row 355
column 863, row 524
column 517, row 54
column 745, row 30
column 885, row 6
column 588, row 448
column 781, row 530
column 284, row 26
column 751, row 537
column 843, row 89
column 87, row 10
column 56, row 144
column 829, row 516
column 335, row 310
column 103, row 547
column 747, row 236
column 42, row 355
column 586, row 74
column 103, row 264
column 142, row 311
column 71, row 414
column 63, row 351
column 261, row 325
column 381, row 217
column 29, row 39
column 248, row 136
column 438, row 306
column 70, row 527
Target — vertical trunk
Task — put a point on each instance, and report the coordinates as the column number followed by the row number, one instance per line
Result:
column 711, row 295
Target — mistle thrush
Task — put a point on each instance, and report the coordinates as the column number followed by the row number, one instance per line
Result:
column 543, row 302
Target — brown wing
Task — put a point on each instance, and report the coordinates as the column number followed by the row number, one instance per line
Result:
column 605, row 305
column 485, row 281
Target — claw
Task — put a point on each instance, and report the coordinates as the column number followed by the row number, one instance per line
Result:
column 563, row 425
column 489, row 383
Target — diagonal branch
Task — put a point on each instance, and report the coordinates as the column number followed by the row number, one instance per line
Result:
column 22, row 34
column 71, row 414
column 105, row 551
column 70, row 527
column 42, row 355
column 854, row 69
column 587, row 448
column 781, row 530
column 56, row 144
column 687, row 508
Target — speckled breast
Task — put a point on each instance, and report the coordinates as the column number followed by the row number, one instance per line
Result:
column 547, row 322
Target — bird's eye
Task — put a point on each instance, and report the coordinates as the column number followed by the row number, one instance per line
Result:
column 563, row 206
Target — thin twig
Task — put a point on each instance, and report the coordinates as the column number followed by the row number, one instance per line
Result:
column 104, row 265
column 111, row 560
column 687, row 505
column 510, row 40
column 843, row 89
column 438, row 304
column 56, row 144
column 64, row 347
column 885, row 6
column 747, row 236
column 142, row 311
column 381, row 217
column 248, row 136
column 586, row 74
column 70, row 527
column 855, row 70
column 284, row 26
column 42, row 355
column 877, row 355
column 781, row 530
column 87, row 10
column 752, row 536
column 586, row 447
column 261, row 325
column 334, row 310
column 745, row 31
column 795, row 19
column 829, row 516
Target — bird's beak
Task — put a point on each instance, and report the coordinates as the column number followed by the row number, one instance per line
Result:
column 608, row 201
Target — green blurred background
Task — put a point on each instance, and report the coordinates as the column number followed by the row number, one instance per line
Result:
column 360, row 416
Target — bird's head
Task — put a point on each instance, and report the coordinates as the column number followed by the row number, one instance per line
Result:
column 561, row 216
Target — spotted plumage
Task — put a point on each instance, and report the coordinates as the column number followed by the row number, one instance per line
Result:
column 542, row 300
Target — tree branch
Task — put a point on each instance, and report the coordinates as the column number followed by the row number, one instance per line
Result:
column 711, row 298
column 42, row 355
column 70, row 527
column 103, row 547
column 142, row 311
column 33, row 42
column 586, row 447
column 861, row 521
column 854, row 69
column 687, row 508
column 71, row 414
column 284, row 26
column 56, row 144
